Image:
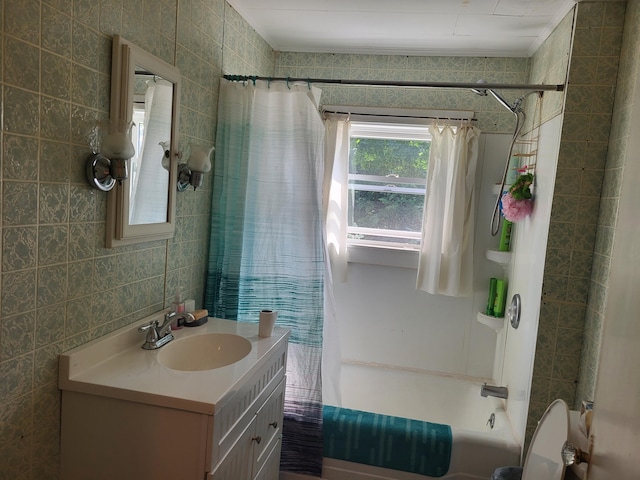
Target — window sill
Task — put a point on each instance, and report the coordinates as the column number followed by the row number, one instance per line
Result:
column 387, row 257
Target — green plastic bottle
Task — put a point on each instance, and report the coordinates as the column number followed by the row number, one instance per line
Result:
column 501, row 297
column 505, row 236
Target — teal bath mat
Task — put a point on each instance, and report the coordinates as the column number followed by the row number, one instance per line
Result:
column 389, row 442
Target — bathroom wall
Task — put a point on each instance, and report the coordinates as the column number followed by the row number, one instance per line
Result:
column 544, row 122
column 491, row 116
column 59, row 286
column 615, row 423
column 573, row 297
column 618, row 156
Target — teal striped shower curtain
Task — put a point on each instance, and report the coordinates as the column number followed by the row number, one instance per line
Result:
column 266, row 247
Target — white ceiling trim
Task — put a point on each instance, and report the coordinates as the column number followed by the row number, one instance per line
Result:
column 405, row 27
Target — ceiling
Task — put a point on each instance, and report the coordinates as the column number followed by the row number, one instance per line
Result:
column 499, row 28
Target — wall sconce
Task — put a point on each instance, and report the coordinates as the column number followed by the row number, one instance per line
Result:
column 111, row 163
column 166, row 155
column 192, row 172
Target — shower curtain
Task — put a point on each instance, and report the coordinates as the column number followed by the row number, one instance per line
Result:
column 266, row 246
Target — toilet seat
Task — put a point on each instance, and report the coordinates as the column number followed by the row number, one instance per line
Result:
column 544, row 460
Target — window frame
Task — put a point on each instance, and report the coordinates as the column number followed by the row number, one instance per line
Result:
column 359, row 248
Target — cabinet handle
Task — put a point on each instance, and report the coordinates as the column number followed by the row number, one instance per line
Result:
column 274, row 424
column 257, row 439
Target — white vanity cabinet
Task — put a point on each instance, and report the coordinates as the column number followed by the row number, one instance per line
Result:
column 255, row 453
column 111, row 430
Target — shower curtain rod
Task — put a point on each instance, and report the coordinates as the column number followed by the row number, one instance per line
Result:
column 391, row 83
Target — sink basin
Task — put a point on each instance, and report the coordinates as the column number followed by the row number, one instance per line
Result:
column 204, row 352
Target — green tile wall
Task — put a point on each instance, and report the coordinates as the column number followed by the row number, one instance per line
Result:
column 491, row 116
column 59, row 286
column 574, row 282
column 617, row 156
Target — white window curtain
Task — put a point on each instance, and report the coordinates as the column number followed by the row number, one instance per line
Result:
column 336, row 194
column 445, row 264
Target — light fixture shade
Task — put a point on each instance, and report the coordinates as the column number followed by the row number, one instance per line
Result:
column 109, row 166
column 199, row 160
column 118, row 145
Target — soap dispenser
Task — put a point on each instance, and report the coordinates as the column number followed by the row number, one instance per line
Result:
column 177, row 306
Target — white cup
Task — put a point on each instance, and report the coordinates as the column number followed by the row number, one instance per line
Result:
column 267, row 321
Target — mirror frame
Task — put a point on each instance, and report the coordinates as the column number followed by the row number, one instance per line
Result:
column 125, row 58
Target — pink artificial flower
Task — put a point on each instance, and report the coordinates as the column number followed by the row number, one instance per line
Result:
column 516, row 210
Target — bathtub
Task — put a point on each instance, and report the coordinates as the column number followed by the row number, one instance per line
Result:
column 477, row 448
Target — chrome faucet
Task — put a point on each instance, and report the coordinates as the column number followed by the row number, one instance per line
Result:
column 159, row 335
column 494, row 391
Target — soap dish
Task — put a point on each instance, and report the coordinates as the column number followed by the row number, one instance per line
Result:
column 197, row 323
column 200, row 318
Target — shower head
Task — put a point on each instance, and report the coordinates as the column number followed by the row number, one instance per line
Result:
column 480, row 91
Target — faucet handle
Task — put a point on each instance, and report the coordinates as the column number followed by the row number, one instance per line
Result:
column 147, row 326
column 152, row 330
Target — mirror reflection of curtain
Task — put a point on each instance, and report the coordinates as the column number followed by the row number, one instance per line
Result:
column 267, row 239
column 148, row 196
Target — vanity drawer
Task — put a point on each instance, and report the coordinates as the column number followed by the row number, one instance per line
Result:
column 234, row 417
column 256, row 451
column 271, row 468
column 237, row 464
column 269, row 424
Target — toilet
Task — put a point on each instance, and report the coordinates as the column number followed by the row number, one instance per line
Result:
column 544, row 459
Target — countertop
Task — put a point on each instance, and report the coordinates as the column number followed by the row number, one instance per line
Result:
column 116, row 366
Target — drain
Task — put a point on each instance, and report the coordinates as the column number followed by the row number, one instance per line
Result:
column 492, row 420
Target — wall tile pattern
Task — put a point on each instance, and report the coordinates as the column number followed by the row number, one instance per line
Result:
column 59, row 286
column 574, row 285
column 617, row 156
column 491, row 116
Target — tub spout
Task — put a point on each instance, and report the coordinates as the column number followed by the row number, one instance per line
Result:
column 494, row 391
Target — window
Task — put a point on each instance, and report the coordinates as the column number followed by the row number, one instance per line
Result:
column 387, row 177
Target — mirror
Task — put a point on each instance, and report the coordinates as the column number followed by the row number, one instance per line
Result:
column 144, row 95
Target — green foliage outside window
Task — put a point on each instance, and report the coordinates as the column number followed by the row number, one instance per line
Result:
column 383, row 156
column 394, row 159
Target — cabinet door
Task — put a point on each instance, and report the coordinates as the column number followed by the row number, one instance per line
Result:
column 269, row 424
column 238, row 463
column 271, row 467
